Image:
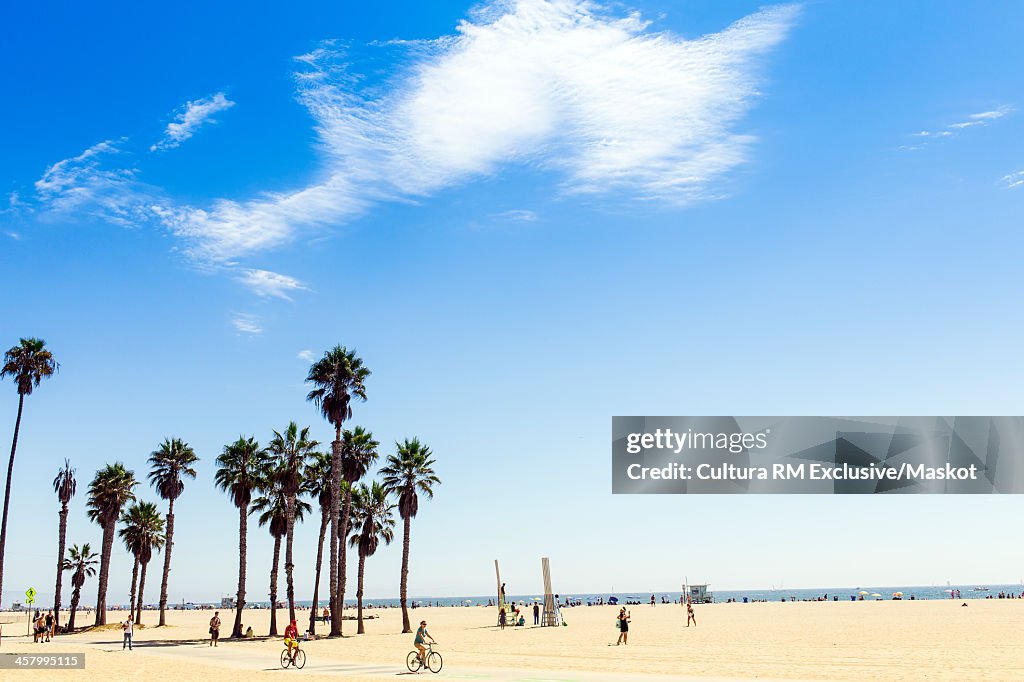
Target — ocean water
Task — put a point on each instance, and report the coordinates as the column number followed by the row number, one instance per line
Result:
column 928, row 592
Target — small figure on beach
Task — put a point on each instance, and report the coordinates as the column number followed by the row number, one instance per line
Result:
column 325, row 614
column 127, row 627
column 652, row 600
column 536, row 613
column 422, row 635
column 624, row 616
column 215, row 628
column 249, row 634
column 501, row 618
column 49, row 625
column 690, row 617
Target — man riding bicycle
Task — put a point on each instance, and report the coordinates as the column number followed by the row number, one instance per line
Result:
column 291, row 639
column 421, row 639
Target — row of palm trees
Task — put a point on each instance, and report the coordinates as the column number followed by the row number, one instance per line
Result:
column 269, row 481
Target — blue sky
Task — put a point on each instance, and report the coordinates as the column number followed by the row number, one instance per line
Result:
column 547, row 217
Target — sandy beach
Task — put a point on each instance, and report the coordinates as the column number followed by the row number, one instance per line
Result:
column 933, row 640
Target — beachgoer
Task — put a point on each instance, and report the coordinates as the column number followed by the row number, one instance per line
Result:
column 421, row 639
column 49, row 625
column 690, row 616
column 215, row 628
column 501, row 619
column 291, row 638
column 652, row 600
column 536, row 614
column 325, row 614
column 249, row 633
column 127, row 627
column 623, row 626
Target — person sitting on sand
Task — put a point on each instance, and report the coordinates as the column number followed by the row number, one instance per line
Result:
column 291, row 639
column 623, row 627
column 249, row 634
column 421, row 639
column 690, row 615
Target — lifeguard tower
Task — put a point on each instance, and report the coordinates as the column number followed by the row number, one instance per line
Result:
column 700, row 594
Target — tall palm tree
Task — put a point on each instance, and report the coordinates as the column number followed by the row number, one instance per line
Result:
column 238, row 472
column 291, row 450
column 29, row 363
column 143, row 532
column 317, row 484
column 358, row 453
column 273, row 508
column 374, row 521
column 172, row 463
column 81, row 563
column 338, row 378
column 109, row 492
column 64, row 485
column 407, row 473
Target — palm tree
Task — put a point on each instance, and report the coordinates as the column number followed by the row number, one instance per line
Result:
column 338, row 378
column 172, row 462
column 291, row 449
column 273, row 508
column 317, row 484
column 358, row 453
column 142, row 533
column 64, row 485
column 374, row 521
column 29, row 363
column 238, row 470
column 81, row 561
column 109, row 492
column 408, row 472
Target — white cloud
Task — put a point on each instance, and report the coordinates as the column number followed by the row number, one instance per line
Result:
column 13, row 235
column 562, row 84
column 267, row 283
column 1014, row 179
column 597, row 98
column 196, row 114
column 517, row 216
column 81, row 184
column 246, row 323
column 980, row 118
column 306, row 356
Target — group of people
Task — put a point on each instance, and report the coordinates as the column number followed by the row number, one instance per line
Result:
column 44, row 627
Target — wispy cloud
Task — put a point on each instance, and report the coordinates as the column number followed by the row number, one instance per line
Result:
column 195, row 114
column 306, row 356
column 1014, row 179
column 246, row 323
column 267, row 283
column 517, row 216
column 981, row 118
column 592, row 96
column 11, row 234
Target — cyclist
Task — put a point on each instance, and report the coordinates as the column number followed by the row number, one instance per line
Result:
column 291, row 639
column 421, row 639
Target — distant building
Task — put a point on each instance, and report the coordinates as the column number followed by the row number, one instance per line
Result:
column 700, row 594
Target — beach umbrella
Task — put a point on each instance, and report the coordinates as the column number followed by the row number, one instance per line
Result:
column 863, row 591
column 876, row 595
column 897, row 594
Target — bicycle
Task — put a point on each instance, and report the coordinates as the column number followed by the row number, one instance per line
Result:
column 433, row 659
column 298, row 659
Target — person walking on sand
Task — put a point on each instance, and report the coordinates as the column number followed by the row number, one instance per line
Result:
column 536, row 613
column 690, row 615
column 215, row 628
column 49, row 625
column 127, row 627
column 623, row 627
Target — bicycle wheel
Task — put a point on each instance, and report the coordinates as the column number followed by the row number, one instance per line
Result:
column 286, row 660
column 412, row 661
column 300, row 659
column 434, row 662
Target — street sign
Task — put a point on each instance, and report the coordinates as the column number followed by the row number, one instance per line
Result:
column 31, row 594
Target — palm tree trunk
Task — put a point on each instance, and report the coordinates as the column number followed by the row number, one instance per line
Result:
column 359, row 594
column 324, row 514
column 7, row 490
column 61, row 539
column 335, row 532
column 167, row 563
column 273, row 587
column 142, row 590
column 289, row 567
column 101, row 594
column 404, row 587
column 76, row 594
column 243, row 530
column 131, row 595
column 346, row 516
